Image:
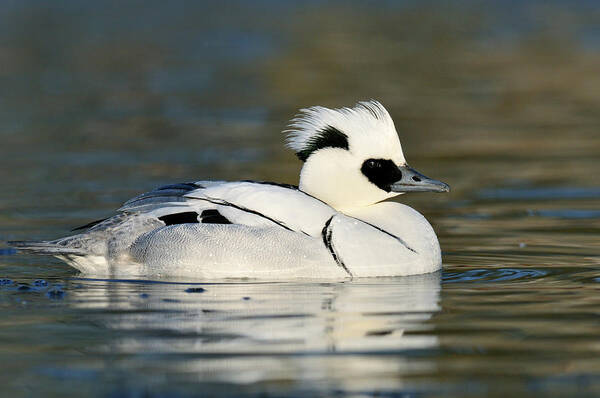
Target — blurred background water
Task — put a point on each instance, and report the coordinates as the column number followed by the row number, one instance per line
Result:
column 100, row 101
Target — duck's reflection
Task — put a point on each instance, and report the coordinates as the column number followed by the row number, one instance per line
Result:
column 249, row 332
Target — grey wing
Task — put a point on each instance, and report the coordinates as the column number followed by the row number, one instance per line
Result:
column 166, row 205
column 249, row 204
column 254, row 204
column 172, row 195
column 113, row 237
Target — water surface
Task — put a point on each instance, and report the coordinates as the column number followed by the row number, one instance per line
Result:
column 100, row 104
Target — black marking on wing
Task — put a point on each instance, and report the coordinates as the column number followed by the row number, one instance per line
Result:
column 187, row 217
column 89, row 225
column 213, row 216
column 381, row 172
column 245, row 209
column 185, row 186
column 326, row 233
column 329, row 137
column 389, row 234
column 278, row 184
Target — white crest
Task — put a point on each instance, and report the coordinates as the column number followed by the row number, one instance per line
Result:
column 368, row 127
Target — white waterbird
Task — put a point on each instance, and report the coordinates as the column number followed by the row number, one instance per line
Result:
column 335, row 224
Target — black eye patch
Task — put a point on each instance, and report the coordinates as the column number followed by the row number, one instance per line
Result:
column 381, row 172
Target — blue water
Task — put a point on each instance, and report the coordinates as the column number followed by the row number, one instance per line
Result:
column 102, row 101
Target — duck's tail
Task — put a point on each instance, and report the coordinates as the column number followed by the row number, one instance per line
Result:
column 54, row 248
column 73, row 250
column 100, row 248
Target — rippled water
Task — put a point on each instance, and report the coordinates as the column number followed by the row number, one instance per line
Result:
column 98, row 105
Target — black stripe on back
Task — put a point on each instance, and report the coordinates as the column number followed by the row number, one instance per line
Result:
column 185, row 186
column 213, row 216
column 277, row 184
column 188, row 217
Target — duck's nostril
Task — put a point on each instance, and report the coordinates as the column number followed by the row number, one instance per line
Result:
column 417, row 179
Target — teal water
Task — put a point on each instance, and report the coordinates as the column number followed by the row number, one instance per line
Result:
column 100, row 103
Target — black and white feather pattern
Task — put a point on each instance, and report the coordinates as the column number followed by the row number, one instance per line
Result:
column 242, row 203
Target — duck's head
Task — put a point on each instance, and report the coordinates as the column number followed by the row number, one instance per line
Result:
column 352, row 156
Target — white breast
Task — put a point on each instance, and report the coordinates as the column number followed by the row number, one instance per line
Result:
column 410, row 245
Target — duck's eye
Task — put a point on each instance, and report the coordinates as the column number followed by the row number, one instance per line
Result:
column 372, row 163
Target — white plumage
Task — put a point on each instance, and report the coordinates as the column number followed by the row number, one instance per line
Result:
column 369, row 124
column 332, row 226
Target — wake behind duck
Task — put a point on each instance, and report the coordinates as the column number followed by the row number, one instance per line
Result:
column 333, row 225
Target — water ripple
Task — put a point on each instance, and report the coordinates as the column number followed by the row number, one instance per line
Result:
column 492, row 275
